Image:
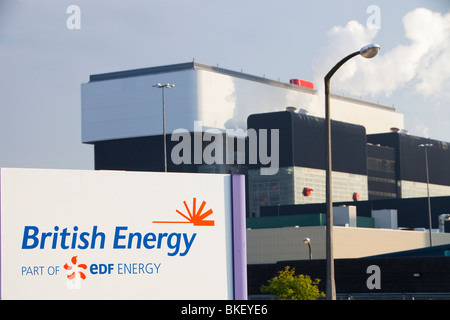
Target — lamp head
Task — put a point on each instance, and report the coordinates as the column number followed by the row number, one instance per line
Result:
column 369, row 51
column 307, row 240
column 167, row 85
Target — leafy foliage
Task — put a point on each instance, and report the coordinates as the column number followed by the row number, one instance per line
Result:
column 288, row 286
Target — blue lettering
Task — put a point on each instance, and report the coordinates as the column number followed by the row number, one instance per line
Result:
column 55, row 238
column 101, row 268
column 188, row 243
column 175, row 246
column 74, row 238
column 175, row 243
column 138, row 268
column 27, row 236
column 34, row 271
column 149, row 237
column 63, row 240
column 43, row 237
column 94, row 237
column 93, row 268
column 117, row 237
column 83, row 239
column 130, row 240
column 161, row 236
column 134, row 240
column 64, row 234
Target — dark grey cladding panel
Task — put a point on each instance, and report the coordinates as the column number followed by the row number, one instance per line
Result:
column 411, row 159
column 302, row 141
column 140, row 72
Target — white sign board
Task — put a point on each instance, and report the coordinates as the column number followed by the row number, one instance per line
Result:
column 74, row 234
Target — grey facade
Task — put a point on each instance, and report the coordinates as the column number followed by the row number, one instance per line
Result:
column 302, row 162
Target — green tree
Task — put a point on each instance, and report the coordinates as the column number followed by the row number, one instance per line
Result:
column 288, row 286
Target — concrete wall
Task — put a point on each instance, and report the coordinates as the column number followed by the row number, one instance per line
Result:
column 277, row 244
column 286, row 187
column 413, row 189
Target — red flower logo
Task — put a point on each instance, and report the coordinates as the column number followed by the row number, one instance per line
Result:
column 76, row 269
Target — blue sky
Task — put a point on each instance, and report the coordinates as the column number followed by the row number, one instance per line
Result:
column 43, row 63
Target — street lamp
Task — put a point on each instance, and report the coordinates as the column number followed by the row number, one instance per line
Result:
column 368, row 51
column 308, row 241
column 442, row 218
column 164, row 86
column 425, row 146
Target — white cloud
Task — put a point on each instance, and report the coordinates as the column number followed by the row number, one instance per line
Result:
column 423, row 63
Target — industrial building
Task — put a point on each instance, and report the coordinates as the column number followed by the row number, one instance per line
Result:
column 381, row 175
column 124, row 104
column 374, row 158
column 301, row 177
column 122, row 116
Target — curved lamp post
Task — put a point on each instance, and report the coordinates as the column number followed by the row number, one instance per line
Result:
column 308, row 242
column 368, row 51
column 442, row 218
column 163, row 86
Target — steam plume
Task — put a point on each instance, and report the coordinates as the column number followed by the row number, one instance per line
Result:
column 422, row 64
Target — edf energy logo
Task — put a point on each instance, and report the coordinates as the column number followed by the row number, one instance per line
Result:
column 75, row 273
column 120, row 238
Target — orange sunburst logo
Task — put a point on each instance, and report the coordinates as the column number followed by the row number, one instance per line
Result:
column 194, row 216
